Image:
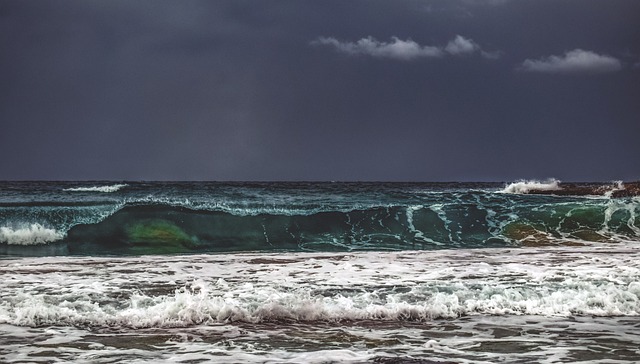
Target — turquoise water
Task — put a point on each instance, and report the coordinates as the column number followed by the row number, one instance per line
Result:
column 73, row 218
column 105, row 272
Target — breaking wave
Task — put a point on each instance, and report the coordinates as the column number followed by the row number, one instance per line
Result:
column 172, row 219
column 105, row 189
column 29, row 235
column 523, row 186
column 203, row 303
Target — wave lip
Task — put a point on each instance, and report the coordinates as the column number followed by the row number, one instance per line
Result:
column 524, row 186
column 29, row 235
column 105, row 189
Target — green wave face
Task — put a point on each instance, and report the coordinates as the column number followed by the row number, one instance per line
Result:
column 197, row 217
column 158, row 236
column 169, row 230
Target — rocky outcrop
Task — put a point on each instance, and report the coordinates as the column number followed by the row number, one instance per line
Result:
column 627, row 189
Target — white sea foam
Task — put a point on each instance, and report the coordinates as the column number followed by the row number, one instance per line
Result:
column 299, row 306
column 29, row 235
column 105, row 189
column 251, row 304
column 618, row 186
column 620, row 206
column 543, row 305
column 418, row 234
column 474, row 339
column 235, row 346
column 523, row 186
column 378, row 286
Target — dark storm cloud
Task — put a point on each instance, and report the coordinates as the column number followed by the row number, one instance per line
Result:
column 234, row 90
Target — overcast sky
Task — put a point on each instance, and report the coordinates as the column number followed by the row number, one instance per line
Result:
column 468, row 90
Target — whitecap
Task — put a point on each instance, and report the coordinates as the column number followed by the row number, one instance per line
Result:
column 524, row 186
column 105, row 189
column 29, row 235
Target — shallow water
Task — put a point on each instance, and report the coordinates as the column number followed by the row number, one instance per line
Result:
column 517, row 305
column 473, row 339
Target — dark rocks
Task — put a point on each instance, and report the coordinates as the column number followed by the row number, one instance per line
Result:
column 628, row 189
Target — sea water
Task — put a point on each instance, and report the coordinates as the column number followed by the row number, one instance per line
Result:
column 104, row 272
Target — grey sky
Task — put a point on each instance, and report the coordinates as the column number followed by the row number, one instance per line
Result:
column 320, row 90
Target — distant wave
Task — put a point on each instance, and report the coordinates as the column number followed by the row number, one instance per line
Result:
column 106, row 189
column 29, row 235
column 524, row 186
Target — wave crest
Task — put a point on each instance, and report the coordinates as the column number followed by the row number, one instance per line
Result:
column 524, row 186
column 205, row 303
column 33, row 234
column 105, row 189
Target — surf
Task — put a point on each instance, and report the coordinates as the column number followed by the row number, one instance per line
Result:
column 187, row 291
column 192, row 218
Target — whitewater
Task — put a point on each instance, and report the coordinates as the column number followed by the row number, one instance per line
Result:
column 98, row 272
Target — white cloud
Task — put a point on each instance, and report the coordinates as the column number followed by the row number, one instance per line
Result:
column 575, row 61
column 406, row 49
column 491, row 55
column 397, row 48
column 461, row 45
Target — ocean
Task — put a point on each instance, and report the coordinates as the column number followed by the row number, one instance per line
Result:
column 216, row 272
